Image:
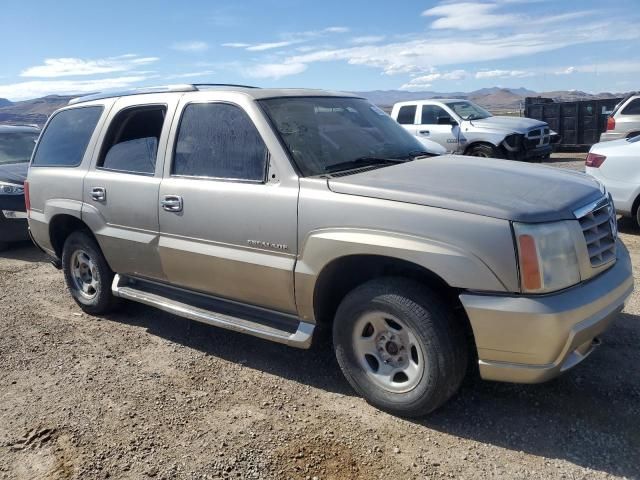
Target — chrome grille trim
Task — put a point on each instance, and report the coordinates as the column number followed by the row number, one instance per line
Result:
column 598, row 223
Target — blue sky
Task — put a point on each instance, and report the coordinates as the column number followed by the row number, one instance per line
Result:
column 73, row 46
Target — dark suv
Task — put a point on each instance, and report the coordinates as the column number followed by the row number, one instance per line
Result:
column 16, row 145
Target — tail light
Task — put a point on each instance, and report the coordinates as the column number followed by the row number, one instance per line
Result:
column 594, row 160
column 611, row 123
column 27, row 199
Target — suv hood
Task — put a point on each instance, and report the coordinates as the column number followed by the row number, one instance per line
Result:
column 496, row 188
column 510, row 124
column 14, row 172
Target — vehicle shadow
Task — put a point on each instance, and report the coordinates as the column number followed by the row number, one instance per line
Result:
column 589, row 416
column 628, row 225
column 24, row 251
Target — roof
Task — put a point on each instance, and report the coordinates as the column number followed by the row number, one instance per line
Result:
column 441, row 100
column 254, row 92
column 19, row 128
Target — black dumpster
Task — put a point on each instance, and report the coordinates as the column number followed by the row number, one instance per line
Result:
column 579, row 123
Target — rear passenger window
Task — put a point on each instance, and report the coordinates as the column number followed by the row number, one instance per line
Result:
column 65, row 139
column 407, row 115
column 131, row 144
column 219, row 140
column 633, row 108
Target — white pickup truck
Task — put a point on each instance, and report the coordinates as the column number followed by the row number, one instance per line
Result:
column 463, row 127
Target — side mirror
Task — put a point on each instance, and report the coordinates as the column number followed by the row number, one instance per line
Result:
column 446, row 121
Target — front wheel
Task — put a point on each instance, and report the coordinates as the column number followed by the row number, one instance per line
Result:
column 87, row 274
column 484, row 151
column 399, row 346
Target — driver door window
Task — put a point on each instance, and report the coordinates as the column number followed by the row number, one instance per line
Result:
column 436, row 124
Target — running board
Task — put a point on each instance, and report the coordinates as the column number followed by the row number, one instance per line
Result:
column 160, row 297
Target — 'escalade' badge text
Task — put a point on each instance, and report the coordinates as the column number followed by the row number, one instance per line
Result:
column 261, row 244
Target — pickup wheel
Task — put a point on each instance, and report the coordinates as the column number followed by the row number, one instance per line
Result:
column 399, row 346
column 87, row 274
column 484, row 150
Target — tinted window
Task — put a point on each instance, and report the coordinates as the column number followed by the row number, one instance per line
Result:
column 66, row 137
column 16, row 147
column 219, row 140
column 407, row 115
column 431, row 113
column 633, row 108
column 323, row 133
column 131, row 144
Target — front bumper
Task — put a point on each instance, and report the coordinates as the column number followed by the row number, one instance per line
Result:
column 531, row 339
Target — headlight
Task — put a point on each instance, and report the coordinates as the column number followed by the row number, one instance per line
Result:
column 547, row 257
column 11, row 189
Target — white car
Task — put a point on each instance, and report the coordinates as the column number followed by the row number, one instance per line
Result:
column 616, row 164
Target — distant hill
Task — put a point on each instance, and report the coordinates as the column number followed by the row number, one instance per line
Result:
column 32, row 111
column 495, row 99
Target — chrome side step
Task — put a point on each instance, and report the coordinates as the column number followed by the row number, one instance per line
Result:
column 301, row 338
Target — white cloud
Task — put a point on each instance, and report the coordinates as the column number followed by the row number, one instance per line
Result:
column 502, row 74
column 276, row 70
column 421, row 55
column 40, row 88
column 287, row 39
column 194, row 46
column 202, row 73
column 335, row 30
column 236, row 45
column 69, row 67
column 268, row 46
column 416, row 87
column 468, row 16
column 367, row 39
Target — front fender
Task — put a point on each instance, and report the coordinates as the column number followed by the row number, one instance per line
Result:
column 458, row 268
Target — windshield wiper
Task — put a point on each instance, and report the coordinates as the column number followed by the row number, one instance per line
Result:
column 362, row 162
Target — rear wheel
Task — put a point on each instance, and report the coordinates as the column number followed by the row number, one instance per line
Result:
column 87, row 274
column 399, row 346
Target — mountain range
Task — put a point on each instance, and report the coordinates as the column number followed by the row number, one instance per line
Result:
column 495, row 99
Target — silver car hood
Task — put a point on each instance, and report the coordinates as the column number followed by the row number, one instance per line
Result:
column 496, row 188
column 510, row 124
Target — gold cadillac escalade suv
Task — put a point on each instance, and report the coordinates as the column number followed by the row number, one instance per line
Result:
column 278, row 212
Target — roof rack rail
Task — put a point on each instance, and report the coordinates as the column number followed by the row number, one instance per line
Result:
column 187, row 87
column 198, row 85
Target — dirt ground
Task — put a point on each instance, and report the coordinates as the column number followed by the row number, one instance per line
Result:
column 143, row 394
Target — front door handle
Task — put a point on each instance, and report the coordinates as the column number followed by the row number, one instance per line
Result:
column 99, row 194
column 172, row 203
column 424, row 132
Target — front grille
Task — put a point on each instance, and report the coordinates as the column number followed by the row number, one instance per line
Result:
column 537, row 137
column 600, row 231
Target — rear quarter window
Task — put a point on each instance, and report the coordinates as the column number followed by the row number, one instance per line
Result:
column 632, row 108
column 66, row 137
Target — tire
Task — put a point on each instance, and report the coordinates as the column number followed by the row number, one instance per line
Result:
column 367, row 320
column 637, row 217
column 87, row 274
column 485, row 151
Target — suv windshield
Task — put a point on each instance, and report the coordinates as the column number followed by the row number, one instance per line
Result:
column 328, row 134
column 468, row 110
column 16, row 147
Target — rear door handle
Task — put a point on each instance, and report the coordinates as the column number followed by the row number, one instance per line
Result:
column 99, row 194
column 424, row 132
column 171, row 203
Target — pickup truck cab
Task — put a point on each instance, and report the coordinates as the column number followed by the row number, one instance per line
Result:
column 463, row 127
column 280, row 212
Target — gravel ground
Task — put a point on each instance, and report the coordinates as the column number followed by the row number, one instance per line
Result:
column 143, row 394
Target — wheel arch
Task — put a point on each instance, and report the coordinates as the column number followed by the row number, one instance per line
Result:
column 476, row 143
column 63, row 225
column 343, row 274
